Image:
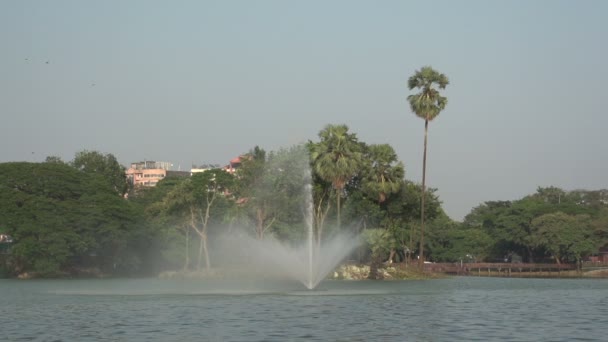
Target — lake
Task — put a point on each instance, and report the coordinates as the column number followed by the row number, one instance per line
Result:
column 453, row 309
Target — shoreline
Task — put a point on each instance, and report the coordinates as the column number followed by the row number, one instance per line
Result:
column 347, row 271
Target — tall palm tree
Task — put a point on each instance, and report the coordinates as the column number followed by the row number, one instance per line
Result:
column 427, row 104
column 336, row 159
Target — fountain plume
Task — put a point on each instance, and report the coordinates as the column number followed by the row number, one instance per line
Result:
column 308, row 262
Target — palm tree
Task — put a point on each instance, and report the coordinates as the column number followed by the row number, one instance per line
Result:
column 336, row 159
column 427, row 104
column 384, row 172
column 383, row 176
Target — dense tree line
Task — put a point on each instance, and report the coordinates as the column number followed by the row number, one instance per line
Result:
column 549, row 225
column 63, row 219
column 81, row 217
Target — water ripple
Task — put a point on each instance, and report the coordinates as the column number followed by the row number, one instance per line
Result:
column 471, row 309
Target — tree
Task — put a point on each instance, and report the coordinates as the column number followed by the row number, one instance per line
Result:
column 593, row 199
column 450, row 241
column 209, row 188
column 336, row 159
column 272, row 188
column 105, row 165
column 380, row 242
column 383, row 173
column 255, row 188
column 551, row 194
column 565, row 237
column 63, row 220
column 288, row 175
column 407, row 207
column 322, row 198
column 383, row 176
column 511, row 224
column 53, row 159
column 174, row 232
column 194, row 199
column 600, row 227
column 427, row 104
column 484, row 214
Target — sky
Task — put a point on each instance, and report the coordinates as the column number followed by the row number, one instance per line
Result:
column 204, row 81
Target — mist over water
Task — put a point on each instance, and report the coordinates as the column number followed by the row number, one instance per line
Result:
column 246, row 257
column 308, row 261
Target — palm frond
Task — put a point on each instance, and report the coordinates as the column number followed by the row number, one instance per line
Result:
column 428, row 103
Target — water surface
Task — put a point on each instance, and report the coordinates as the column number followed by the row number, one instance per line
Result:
column 462, row 309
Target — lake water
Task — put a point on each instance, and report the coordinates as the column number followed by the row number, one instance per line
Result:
column 454, row 309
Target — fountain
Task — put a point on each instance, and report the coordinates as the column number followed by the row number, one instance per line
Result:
column 309, row 262
column 312, row 262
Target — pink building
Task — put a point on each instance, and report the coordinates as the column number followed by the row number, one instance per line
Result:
column 234, row 164
column 147, row 173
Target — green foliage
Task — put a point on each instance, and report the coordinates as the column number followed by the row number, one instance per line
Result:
column 551, row 222
column 599, row 225
column 323, row 196
column 455, row 243
column 565, row 237
column 428, row 103
column 363, row 210
column 336, row 158
column 67, row 217
column 63, row 219
column 105, row 165
column 197, row 203
column 407, row 206
column 53, row 159
column 382, row 174
column 168, row 231
column 551, row 195
column 273, row 191
column 289, row 175
column 380, row 242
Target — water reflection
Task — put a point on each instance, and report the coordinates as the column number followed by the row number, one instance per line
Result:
column 467, row 308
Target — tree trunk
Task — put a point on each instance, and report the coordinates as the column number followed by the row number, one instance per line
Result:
column 391, row 255
column 206, row 251
column 373, row 268
column 530, row 256
column 421, row 259
column 557, row 259
column 200, row 252
column 259, row 226
column 200, row 233
column 338, row 208
column 319, row 231
column 410, row 247
column 320, row 216
column 187, row 258
column 204, row 233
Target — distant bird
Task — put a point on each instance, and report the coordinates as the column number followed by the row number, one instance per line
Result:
column 47, row 62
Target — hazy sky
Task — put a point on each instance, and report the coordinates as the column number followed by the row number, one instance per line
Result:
column 203, row 81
